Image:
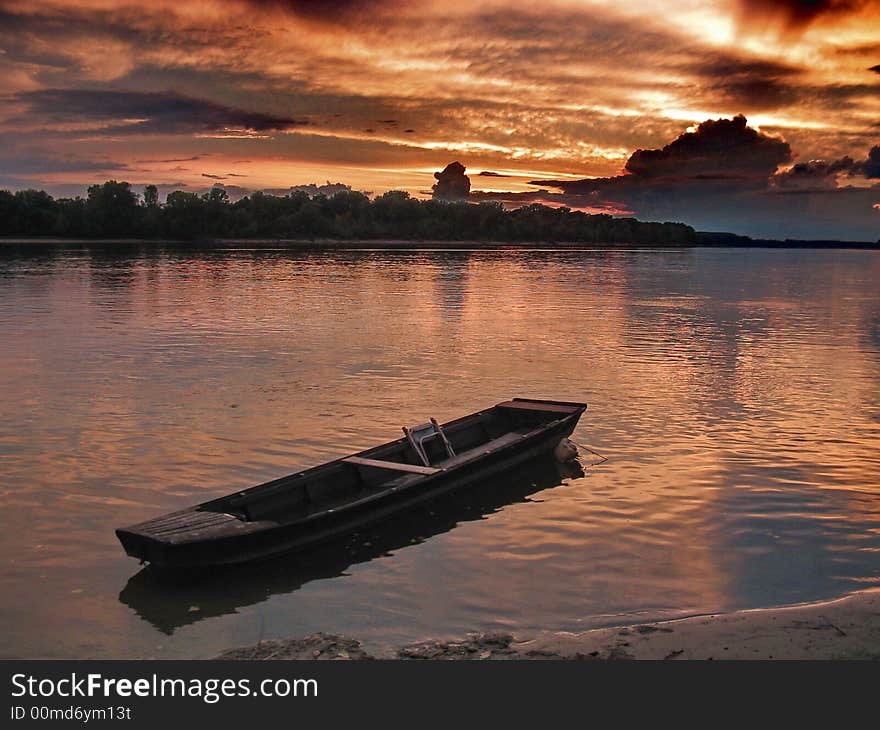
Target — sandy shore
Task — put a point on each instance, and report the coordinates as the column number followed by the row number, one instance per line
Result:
column 847, row 628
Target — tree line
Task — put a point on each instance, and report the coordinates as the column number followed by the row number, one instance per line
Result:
column 114, row 210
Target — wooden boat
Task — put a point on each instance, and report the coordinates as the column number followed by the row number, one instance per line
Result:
column 335, row 498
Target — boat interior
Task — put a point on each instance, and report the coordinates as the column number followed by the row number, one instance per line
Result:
column 424, row 450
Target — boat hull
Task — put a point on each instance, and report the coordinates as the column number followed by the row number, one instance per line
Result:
column 267, row 539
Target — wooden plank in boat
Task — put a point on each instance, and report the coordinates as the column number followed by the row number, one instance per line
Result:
column 396, row 466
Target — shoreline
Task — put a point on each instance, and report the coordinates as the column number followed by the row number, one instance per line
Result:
column 406, row 244
column 842, row 628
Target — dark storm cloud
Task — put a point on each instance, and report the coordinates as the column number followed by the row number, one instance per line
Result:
column 819, row 175
column 711, row 177
column 750, row 83
column 727, row 66
column 747, row 83
column 875, row 69
column 813, row 175
column 452, row 183
column 719, row 148
column 870, row 167
column 326, row 10
column 756, row 94
column 720, row 154
column 797, row 14
column 131, row 112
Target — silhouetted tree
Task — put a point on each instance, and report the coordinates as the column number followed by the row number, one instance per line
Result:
column 111, row 209
column 71, row 218
column 29, row 210
column 184, row 215
column 151, row 196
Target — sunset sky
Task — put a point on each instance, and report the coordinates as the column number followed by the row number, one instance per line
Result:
column 552, row 98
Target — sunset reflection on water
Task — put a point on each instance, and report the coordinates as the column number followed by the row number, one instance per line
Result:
column 735, row 393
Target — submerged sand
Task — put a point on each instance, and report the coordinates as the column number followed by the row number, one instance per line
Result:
column 847, row 628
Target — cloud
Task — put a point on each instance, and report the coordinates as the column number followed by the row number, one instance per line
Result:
column 452, row 183
column 174, row 159
column 719, row 154
column 813, row 175
column 213, row 177
column 870, row 167
column 719, row 148
column 327, row 11
column 489, row 173
column 796, row 15
column 748, row 83
column 26, row 161
column 133, row 112
column 818, row 175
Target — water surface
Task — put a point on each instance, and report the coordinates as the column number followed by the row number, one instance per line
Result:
column 736, row 393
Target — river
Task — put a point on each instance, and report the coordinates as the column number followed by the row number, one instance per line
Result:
column 735, row 392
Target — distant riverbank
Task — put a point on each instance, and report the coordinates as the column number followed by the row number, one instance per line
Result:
column 847, row 628
column 326, row 243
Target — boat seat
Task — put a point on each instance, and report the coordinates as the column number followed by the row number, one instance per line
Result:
column 392, row 465
column 418, row 436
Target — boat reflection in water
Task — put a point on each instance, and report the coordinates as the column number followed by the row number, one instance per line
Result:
column 166, row 600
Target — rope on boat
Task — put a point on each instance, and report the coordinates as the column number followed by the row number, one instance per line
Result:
column 587, row 448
